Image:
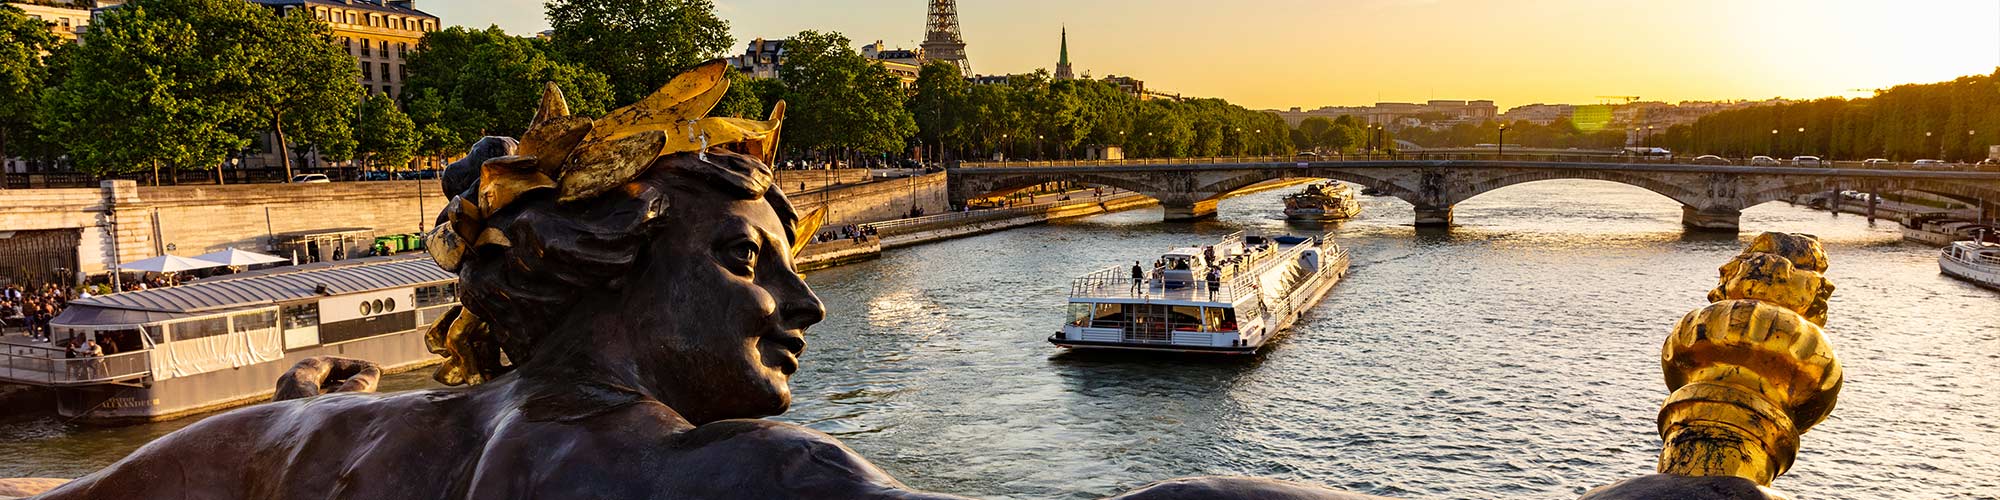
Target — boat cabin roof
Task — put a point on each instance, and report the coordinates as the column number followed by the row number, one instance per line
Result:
column 1184, row 252
column 252, row 290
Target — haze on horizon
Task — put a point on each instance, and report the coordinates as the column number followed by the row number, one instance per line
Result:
column 1276, row 54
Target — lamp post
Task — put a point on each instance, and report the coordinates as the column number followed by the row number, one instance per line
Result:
column 1774, row 144
column 1009, row 153
column 1503, row 142
column 1927, row 138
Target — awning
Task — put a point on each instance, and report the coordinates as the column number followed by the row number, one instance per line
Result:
column 234, row 257
column 99, row 317
column 168, row 264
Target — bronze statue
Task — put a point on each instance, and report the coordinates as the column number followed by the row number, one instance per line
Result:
column 629, row 310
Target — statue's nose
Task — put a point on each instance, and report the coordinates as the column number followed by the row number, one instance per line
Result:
column 798, row 307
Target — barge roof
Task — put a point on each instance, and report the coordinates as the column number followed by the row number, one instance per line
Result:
column 255, row 289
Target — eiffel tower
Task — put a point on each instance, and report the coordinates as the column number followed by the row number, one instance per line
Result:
column 942, row 41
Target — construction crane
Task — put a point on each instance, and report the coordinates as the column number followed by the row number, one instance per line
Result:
column 1628, row 98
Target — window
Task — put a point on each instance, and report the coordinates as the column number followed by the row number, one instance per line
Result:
column 437, row 295
column 259, row 320
column 385, row 72
column 347, row 43
column 1080, row 313
column 400, row 48
column 201, row 328
column 157, row 332
column 385, row 48
column 367, row 73
column 365, row 47
column 301, row 316
column 371, row 326
column 350, row 18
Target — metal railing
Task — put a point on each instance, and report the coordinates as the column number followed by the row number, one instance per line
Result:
column 953, row 219
column 1457, row 155
column 47, row 367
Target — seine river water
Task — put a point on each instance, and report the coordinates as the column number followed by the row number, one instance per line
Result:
column 1515, row 356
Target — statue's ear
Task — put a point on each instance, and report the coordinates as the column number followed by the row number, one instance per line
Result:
column 803, row 231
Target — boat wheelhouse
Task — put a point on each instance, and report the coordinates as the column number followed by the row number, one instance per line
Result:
column 1975, row 261
column 223, row 342
column 1230, row 298
column 1323, row 201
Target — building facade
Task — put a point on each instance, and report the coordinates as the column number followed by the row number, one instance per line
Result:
column 66, row 21
column 1435, row 113
column 379, row 34
column 760, row 59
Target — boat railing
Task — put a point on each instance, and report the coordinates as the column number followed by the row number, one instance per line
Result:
column 1117, row 283
column 41, row 366
column 1973, row 257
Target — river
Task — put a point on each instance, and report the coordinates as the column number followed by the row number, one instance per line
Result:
column 1514, row 356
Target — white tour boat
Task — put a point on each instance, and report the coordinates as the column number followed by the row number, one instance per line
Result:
column 1939, row 229
column 1329, row 200
column 1230, row 298
column 1974, row 261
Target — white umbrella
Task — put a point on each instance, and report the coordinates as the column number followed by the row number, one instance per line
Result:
column 234, row 257
column 167, row 264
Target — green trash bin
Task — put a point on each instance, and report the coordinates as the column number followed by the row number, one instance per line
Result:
column 413, row 241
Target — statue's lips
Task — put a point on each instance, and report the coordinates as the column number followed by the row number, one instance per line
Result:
column 792, row 343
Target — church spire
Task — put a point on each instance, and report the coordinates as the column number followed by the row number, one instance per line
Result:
column 1063, row 71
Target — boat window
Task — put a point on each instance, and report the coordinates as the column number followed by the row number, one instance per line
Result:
column 259, row 320
column 1185, row 318
column 157, row 332
column 437, row 295
column 301, row 316
column 1080, row 313
column 1109, row 316
column 356, row 329
column 117, row 341
column 1222, row 319
column 201, row 328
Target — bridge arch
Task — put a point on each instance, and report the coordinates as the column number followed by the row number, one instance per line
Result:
column 1006, row 185
column 1686, row 196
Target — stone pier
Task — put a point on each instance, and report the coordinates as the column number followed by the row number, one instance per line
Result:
column 1184, row 211
column 1433, row 217
column 1711, row 219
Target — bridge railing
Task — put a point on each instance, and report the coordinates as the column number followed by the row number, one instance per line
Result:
column 1579, row 156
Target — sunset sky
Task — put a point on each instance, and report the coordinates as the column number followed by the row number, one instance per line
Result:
column 1311, row 53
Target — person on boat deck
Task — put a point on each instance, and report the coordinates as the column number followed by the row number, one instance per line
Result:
column 1214, row 281
column 1138, row 276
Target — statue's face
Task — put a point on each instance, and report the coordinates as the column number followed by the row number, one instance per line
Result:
column 720, row 315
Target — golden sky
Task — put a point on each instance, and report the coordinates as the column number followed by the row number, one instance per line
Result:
column 1311, row 53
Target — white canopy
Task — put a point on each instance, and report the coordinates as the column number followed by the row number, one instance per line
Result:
column 234, row 257
column 168, row 264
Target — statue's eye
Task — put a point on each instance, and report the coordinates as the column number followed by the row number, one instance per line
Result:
column 740, row 256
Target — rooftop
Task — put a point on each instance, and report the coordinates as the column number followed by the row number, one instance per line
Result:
column 374, row 5
column 271, row 286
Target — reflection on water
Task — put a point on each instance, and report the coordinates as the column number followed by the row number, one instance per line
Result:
column 1515, row 356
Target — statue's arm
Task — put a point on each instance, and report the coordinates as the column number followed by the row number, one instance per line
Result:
column 1236, row 488
column 201, row 461
column 785, row 461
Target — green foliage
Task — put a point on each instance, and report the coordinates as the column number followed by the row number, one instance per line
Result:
column 185, row 83
column 1962, row 118
column 384, row 136
column 1034, row 116
column 23, row 73
column 839, row 100
column 749, row 97
column 638, row 44
column 464, row 84
column 942, row 104
column 1557, row 134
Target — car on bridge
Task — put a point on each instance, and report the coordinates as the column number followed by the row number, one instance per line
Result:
column 1931, row 165
column 1807, row 161
column 1711, row 160
column 1877, row 163
column 1764, row 160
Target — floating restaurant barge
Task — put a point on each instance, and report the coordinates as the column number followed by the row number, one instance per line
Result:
column 1230, row 298
column 223, row 342
column 1331, row 200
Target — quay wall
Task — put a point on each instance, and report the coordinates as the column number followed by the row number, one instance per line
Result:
column 121, row 221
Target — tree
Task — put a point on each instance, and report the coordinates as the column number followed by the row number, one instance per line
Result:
column 464, row 84
column 843, row 101
column 383, row 134
column 638, row 44
column 939, row 105
column 185, row 83
column 750, row 97
column 23, row 73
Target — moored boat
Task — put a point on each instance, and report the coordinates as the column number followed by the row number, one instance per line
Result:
column 1233, row 297
column 1323, row 201
column 1974, row 261
column 1939, row 229
column 222, row 342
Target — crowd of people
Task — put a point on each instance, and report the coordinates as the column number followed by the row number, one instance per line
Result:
column 33, row 307
column 851, row 232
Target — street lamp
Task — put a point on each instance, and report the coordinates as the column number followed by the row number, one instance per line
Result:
column 1503, row 141
column 1009, row 154
column 1774, row 142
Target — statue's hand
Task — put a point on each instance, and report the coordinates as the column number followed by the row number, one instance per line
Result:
column 327, row 374
column 1678, row 487
column 1237, row 487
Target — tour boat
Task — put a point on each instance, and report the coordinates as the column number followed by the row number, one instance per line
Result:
column 1938, row 229
column 222, row 342
column 1323, row 201
column 1230, row 298
column 1975, row 261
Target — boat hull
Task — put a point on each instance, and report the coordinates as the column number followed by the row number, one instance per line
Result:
column 1988, row 277
column 158, row 400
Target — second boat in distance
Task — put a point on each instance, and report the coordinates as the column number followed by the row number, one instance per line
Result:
column 1233, row 297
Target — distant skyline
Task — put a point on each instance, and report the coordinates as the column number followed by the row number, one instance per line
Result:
column 1278, row 54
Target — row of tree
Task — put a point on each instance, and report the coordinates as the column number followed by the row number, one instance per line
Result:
column 1035, row 116
column 1561, row 133
column 1955, row 120
column 188, row 84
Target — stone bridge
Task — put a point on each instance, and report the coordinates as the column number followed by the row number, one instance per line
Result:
column 1712, row 196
